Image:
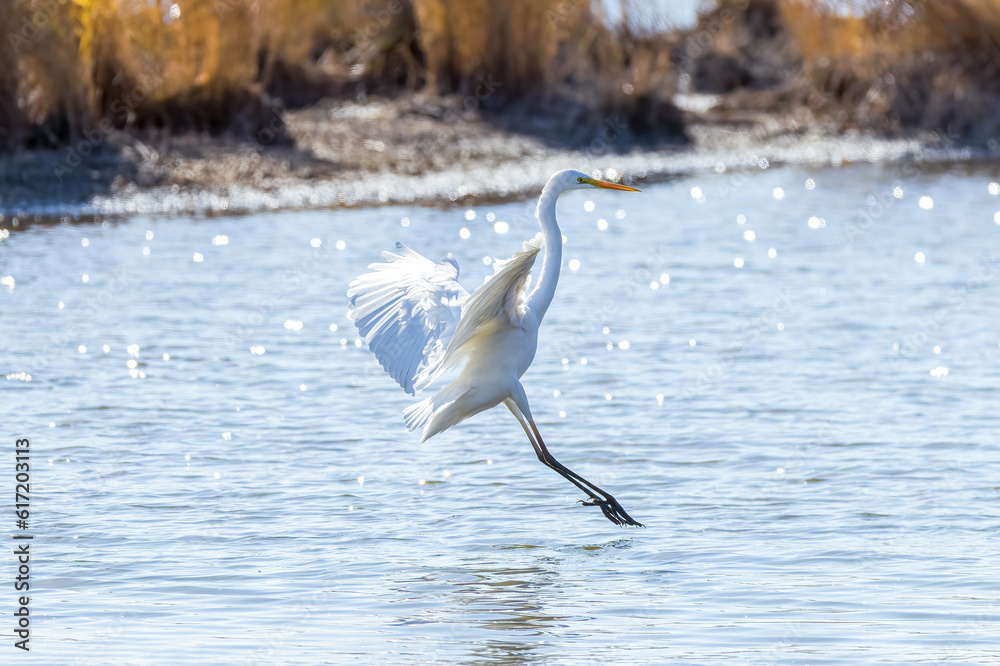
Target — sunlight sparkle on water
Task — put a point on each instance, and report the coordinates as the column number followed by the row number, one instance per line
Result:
column 588, row 206
column 222, row 239
column 490, row 217
column 293, row 325
column 741, row 219
column 470, row 215
column 501, row 227
column 341, row 245
column 816, row 222
column 85, row 242
column 602, row 224
column 810, row 184
column 778, row 193
column 738, row 262
column 926, row 203
column 993, row 188
column 620, row 214
column 464, row 233
column 8, row 281
column 749, row 236
column 772, row 253
column 624, row 344
column 996, row 217
column 82, row 349
column 333, row 328
column 405, row 221
column 664, row 279
column 897, row 192
column 939, row 371
column 257, row 350
column 919, row 257
column 937, row 349
column 85, row 278
column 315, row 242
column 198, row 256
column 145, row 251
column 574, row 265
column 106, row 349
column 149, row 235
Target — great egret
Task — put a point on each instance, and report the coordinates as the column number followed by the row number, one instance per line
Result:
column 419, row 321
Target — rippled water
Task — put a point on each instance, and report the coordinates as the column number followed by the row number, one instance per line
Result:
column 811, row 438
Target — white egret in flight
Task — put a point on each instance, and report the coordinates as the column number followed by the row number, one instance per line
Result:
column 419, row 322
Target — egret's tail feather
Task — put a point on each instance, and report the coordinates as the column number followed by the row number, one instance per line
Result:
column 433, row 414
column 417, row 416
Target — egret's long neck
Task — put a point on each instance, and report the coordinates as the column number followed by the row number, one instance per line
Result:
column 542, row 295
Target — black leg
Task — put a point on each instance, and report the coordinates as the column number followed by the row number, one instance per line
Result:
column 609, row 505
column 612, row 510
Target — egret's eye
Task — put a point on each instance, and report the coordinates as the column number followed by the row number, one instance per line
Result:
column 579, row 180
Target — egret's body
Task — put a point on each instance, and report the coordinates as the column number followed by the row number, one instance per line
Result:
column 420, row 322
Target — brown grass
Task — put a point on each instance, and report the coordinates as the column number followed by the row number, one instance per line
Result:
column 217, row 65
column 131, row 62
column 923, row 64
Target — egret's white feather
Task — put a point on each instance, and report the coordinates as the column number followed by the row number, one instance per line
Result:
column 503, row 297
column 407, row 310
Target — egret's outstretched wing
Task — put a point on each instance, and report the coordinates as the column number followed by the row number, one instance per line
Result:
column 406, row 310
column 501, row 298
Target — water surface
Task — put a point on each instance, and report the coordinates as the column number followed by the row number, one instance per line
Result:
column 806, row 423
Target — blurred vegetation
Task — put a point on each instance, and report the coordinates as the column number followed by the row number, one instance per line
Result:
column 69, row 66
column 73, row 68
column 894, row 66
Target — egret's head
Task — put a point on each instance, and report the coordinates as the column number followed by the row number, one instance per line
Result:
column 570, row 179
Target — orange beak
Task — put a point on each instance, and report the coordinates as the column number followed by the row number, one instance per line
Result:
column 605, row 185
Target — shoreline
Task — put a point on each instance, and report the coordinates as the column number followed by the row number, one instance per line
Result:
column 382, row 153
